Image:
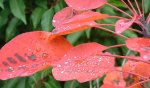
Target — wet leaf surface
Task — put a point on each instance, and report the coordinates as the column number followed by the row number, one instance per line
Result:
column 30, row 52
column 83, row 63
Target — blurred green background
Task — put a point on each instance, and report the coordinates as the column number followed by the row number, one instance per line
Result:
column 19, row 16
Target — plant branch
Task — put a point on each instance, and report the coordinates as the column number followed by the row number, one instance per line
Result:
column 127, row 7
column 119, row 10
column 105, row 29
column 132, row 7
column 137, row 7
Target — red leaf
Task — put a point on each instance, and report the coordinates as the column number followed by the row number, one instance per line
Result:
column 114, row 78
column 85, row 5
column 123, row 24
column 68, row 21
column 129, row 66
column 63, row 15
column 142, row 69
column 141, row 45
column 30, row 52
column 83, row 63
column 71, row 28
column 86, row 16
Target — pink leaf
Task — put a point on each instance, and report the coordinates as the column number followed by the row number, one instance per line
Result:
column 71, row 28
column 85, row 5
column 123, row 24
column 115, row 78
column 83, row 63
column 141, row 45
column 31, row 52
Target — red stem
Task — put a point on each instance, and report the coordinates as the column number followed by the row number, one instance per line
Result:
column 127, row 7
column 115, row 46
column 118, row 17
column 105, row 29
column 137, row 7
column 131, row 73
column 135, row 30
column 142, row 6
column 132, row 7
column 119, row 10
column 126, row 57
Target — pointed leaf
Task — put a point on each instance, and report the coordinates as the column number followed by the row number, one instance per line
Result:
column 30, row 52
column 1, row 4
column 71, row 28
column 142, row 69
column 83, row 63
column 18, row 9
column 70, row 16
column 85, row 5
column 141, row 45
column 114, row 78
column 123, row 24
column 46, row 20
column 85, row 17
column 36, row 16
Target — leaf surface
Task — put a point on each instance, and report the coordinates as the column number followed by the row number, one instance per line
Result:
column 123, row 24
column 142, row 45
column 83, row 63
column 31, row 52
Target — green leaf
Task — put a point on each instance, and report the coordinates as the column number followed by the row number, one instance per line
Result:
column 18, row 9
column 11, row 30
column 46, row 21
column 74, row 36
column 88, row 32
column 15, row 83
column 36, row 16
column 42, row 3
column 1, row 4
column 4, row 17
column 147, row 6
column 71, row 84
column 53, row 83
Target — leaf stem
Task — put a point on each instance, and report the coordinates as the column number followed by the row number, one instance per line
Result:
column 119, row 10
column 127, row 57
column 137, row 7
column 132, row 7
column 105, row 29
column 127, row 7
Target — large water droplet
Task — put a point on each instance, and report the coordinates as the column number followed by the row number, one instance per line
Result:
column 10, row 69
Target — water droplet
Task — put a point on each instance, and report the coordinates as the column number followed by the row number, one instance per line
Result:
column 66, row 62
column 44, row 55
column 145, row 57
column 62, row 71
column 22, row 67
column 54, row 21
column 59, row 65
column 10, row 69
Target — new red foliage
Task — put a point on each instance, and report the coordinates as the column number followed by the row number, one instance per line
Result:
column 31, row 52
column 83, row 63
